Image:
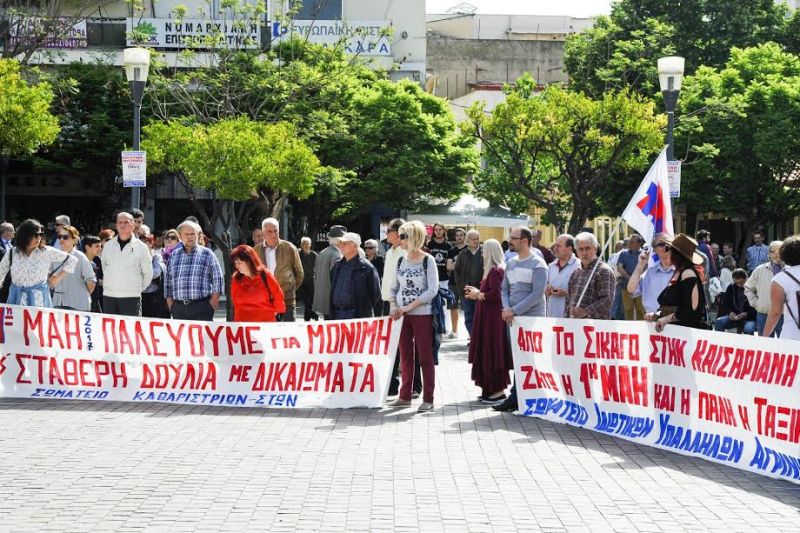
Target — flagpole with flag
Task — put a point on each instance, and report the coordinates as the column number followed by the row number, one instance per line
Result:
column 649, row 212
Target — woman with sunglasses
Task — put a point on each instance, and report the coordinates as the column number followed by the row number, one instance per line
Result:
column 256, row 294
column 75, row 291
column 28, row 264
column 171, row 240
column 415, row 287
column 683, row 301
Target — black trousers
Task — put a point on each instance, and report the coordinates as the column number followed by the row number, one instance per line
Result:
column 122, row 306
column 193, row 310
column 306, row 294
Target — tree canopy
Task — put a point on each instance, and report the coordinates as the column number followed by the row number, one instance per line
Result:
column 554, row 150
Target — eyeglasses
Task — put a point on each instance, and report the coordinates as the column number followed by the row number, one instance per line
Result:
column 171, row 238
column 65, row 237
column 403, row 237
column 667, row 247
column 513, row 238
column 661, row 245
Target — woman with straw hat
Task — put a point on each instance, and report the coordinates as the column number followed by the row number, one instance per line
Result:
column 683, row 301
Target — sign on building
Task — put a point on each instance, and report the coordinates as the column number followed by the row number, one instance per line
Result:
column 361, row 37
column 193, row 33
column 47, row 33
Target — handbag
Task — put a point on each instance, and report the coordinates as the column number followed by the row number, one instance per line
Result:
column 53, row 290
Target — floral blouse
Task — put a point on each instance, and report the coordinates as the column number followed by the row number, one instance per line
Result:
column 32, row 270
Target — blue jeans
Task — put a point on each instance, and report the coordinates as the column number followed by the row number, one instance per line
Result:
column 469, row 312
column 724, row 322
column 761, row 320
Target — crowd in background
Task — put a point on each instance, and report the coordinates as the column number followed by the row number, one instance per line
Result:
column 416, row 273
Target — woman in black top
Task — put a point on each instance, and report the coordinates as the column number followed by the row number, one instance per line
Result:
column 683, row 301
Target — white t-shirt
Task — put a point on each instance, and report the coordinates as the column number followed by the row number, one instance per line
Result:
column 790, row 329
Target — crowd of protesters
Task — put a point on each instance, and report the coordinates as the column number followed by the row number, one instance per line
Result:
column 415, row 273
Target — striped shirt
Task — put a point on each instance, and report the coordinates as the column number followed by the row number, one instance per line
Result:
column 191, row 276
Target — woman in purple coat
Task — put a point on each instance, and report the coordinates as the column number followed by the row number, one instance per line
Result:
column 489, row 347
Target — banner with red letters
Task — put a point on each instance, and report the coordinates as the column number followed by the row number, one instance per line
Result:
column 48, row 353
column 733, row 399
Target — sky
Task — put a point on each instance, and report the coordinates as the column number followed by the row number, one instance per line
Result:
column 575, row 8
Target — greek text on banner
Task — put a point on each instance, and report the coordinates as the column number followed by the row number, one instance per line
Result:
column 733, row 399
column 49, row 353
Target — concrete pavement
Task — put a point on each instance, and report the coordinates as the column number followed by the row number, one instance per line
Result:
column 94, row 466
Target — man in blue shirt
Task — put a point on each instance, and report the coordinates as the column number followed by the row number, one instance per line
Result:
column 194, row 281
column 355, row 287
column 6, row 238
column 628, row 259
column 758, row 253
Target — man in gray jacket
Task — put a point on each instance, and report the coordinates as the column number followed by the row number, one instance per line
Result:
column 322, row 273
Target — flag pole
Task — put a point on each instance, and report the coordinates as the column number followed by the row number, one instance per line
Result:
column 599, row 258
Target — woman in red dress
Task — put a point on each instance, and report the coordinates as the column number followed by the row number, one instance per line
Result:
column 489, row 347
column 257, row 296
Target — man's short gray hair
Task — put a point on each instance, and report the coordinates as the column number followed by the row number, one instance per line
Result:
column 305, row 240
column 189, row 224
column 63, row 219
column 588, row 237
column 123, row 214
column 370, row 242
column 473, row 233
column 775, row 245
column 6, row 226
column 270, row 221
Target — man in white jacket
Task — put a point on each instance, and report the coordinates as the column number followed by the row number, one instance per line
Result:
column 127, row 270
column 758, row 287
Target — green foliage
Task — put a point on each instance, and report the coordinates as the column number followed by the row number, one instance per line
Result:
column 26, row 123
column 745, row 146
column 555, row 150
column 621, row 50
column 233, row 158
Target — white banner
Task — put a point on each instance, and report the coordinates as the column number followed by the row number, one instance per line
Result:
column 732, row 399
column 64, row 354
column 194, row 33
column 362, row 37
column 60, row 32
column 674, row 176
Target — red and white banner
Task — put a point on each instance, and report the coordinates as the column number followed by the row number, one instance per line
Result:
column 48, row 353
column 733, row 399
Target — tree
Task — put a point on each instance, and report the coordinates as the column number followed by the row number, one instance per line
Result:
column 235, row 159
column 621, row 50
column 554, row 150
column 93, row 106
column 26, row 122
column 744, row 149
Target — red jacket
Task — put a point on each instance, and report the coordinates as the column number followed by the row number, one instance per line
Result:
column 254, row 300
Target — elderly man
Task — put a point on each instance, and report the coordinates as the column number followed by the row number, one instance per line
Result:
column 452, row 255
column 522, row 293
column 194, row 282
column 322, row 272
column 595, row 285
column 127, row 270
column 559, row 272
column 282, row 259
column 649, row 281
column 355, row 287
column 758, row 287
column 308, row 258
column 6, row 238
column 469, row 271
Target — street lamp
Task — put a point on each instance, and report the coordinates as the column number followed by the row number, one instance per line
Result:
column 137, row 64
column 670, row 76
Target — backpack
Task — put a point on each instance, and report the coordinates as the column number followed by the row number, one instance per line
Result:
column 797, row 297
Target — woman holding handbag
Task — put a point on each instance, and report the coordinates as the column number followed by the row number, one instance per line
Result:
column 256, row 294
column 28, row 264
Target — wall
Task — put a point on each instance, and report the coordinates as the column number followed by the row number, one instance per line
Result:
column 457, row 62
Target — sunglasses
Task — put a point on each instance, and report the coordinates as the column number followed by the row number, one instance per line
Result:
column 171, row 238
column 65, row 237
column 40, row 234
column 403, row 237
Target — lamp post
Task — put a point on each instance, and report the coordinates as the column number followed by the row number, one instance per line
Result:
column 137, row 65
column 670, row 77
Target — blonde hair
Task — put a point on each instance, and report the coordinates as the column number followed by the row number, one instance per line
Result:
column 416, row 233
column 492, row 256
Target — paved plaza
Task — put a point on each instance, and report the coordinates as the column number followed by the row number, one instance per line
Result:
column 94, row 466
